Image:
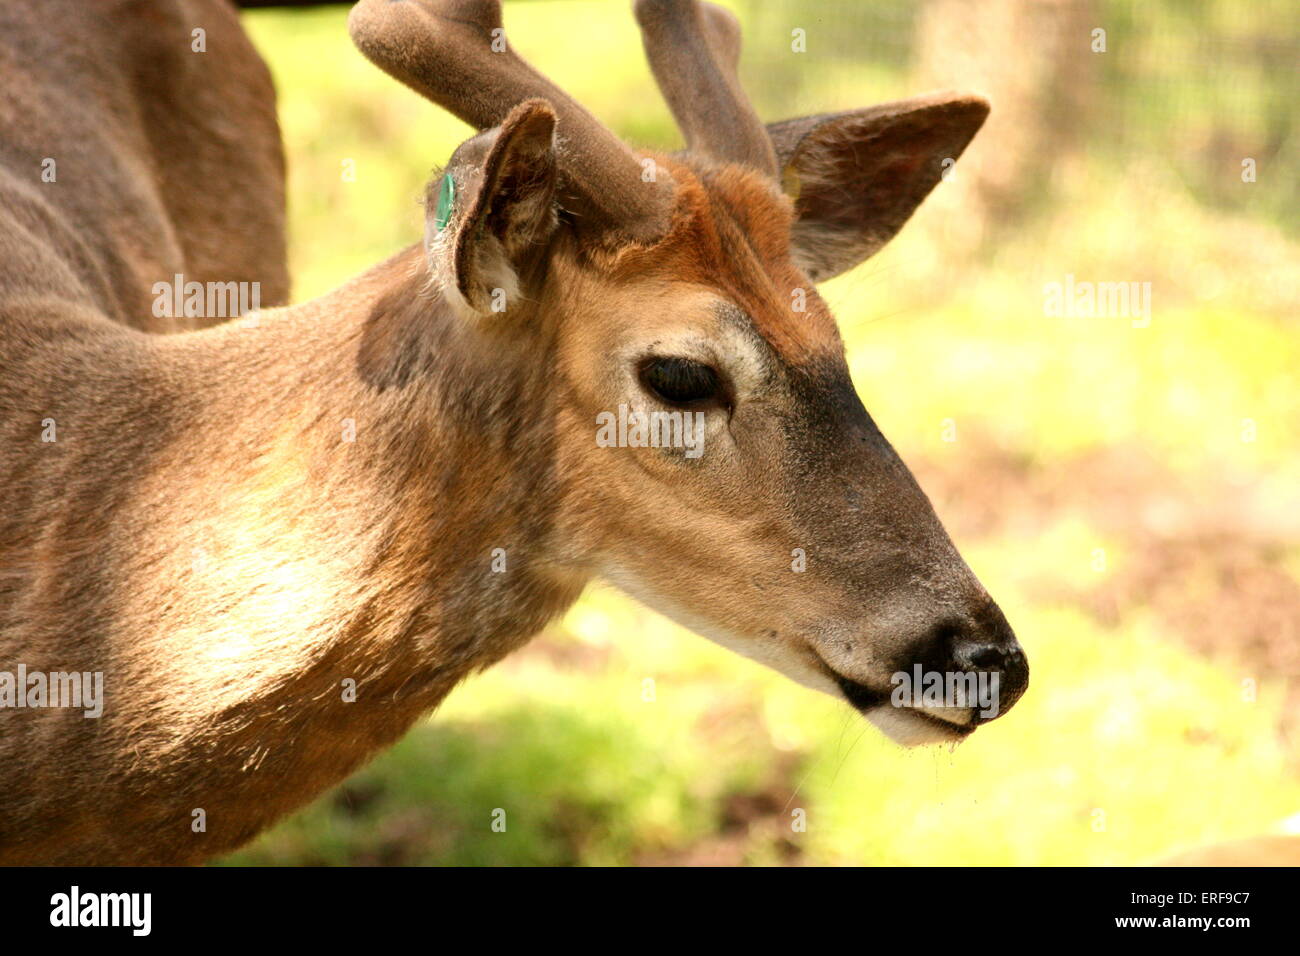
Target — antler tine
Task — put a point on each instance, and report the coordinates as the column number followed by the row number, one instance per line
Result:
column 693, row 49
column 723, row 32
column 453, row 52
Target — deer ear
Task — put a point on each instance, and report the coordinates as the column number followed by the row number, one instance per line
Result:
column 856, row 177
column 491, row 215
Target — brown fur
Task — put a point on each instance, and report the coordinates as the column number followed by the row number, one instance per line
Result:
column 732, row 232
column 134, row 121
column 206, row 534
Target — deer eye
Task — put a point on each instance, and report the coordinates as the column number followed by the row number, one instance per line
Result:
column 680, row 381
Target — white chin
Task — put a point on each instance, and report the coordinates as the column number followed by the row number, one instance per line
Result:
column 914, row 728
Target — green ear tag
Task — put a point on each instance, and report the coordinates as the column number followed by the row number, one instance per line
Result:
column 446, row 199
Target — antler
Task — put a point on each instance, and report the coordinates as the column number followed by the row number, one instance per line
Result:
column 454, row 53
column 693, row 50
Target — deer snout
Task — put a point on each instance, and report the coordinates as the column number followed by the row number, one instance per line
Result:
column 951, row 675
column 983, row 645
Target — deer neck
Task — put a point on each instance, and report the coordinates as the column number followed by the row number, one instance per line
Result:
column 335, row 513
column 389, row 509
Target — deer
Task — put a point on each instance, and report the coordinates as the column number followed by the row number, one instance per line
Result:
column 283, row 539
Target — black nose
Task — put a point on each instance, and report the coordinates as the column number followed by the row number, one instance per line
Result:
column 984, row 642
column 981, row 656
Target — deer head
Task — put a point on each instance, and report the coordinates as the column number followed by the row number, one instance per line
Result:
column 640, row 287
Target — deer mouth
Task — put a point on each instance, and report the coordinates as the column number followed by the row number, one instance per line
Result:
column 913, row 727
column 908, row 726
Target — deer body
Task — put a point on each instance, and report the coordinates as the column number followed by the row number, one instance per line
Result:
column 310, row 583
column 283, row 540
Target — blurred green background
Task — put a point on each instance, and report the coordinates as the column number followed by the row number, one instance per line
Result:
column 1128, row 492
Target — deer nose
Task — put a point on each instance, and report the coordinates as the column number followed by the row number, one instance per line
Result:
column 982, row 642
column 983, row 656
